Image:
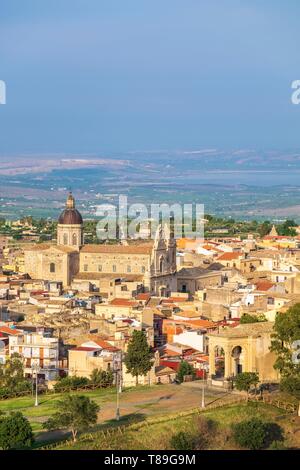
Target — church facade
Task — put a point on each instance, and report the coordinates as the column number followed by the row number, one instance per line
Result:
column 153, row 263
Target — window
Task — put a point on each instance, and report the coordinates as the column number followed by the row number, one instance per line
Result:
column 161, row 264
column 129, row 269
column 65, row 238
column 143, row 269
column 99, row 268
column 114, row 268
column 74, row 239
column 52, row 267
column 85, row 267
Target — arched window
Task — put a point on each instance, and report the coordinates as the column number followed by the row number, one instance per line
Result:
column 161, row 264
column 65, row 238
column 52, row 267
column 74, row 239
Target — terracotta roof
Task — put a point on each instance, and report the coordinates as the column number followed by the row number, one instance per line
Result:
column 105, row 345
column 10, row 331
column 143, row 296
column 138, row 249
column 123, row 303
column 171, row 300
column 230, row 256
column 264, row 285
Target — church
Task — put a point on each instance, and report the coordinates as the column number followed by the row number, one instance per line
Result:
column 151, row 263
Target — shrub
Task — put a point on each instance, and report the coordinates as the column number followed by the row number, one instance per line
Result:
column 15, row 431
column 70, row 383
column 250, row 434
column 255, row 434
column 182, row 441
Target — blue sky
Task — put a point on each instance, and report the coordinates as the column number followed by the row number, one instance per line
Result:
column 96, row 76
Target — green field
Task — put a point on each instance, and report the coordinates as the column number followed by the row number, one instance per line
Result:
column 155, row 434
column 47, row 404
column 150, row 416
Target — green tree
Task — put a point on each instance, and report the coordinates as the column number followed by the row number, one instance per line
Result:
column 256, row 434
column 138, row 359
column 284, row 344
column 101, row 378
column 264, row 228
column 247, row 318
column 12, row 373
column 15, row 431
column 245, row 380
column 75, row 413
column 250, row 434
column 287, row 228
column 185, row 369
column 70, row 383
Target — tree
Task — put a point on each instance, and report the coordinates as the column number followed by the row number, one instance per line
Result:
column 250, row 434
column 256, row 434
column 138, row 359
column 287, row 228
column 70, row 383
column 12, row 375
column 247, row 318
column 245, row 380
column 75, row 413
column 15, row 431
column 185, row 369
column 284, row 343
column 101, row 378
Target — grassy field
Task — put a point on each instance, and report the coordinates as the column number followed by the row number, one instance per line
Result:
column 151, row 415
column 135, row 403
column 156, row 435
column 47, row 404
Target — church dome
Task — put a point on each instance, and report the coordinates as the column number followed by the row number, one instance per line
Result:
column 70, row 216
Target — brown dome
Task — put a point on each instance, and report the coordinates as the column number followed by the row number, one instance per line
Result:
column 70, row 216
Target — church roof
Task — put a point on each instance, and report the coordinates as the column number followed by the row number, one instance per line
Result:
column 46, row 246
column 137, row 249
column 70, row 216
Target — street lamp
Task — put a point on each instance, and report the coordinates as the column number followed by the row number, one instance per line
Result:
column 35, row 367
column 117, row 366
column 203, row 390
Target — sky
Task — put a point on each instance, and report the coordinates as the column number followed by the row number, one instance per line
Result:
column 101, row 76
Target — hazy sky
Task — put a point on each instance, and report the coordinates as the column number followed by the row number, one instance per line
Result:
column 116, row 75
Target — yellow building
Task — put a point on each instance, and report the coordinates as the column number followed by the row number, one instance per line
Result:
column 244, row 348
